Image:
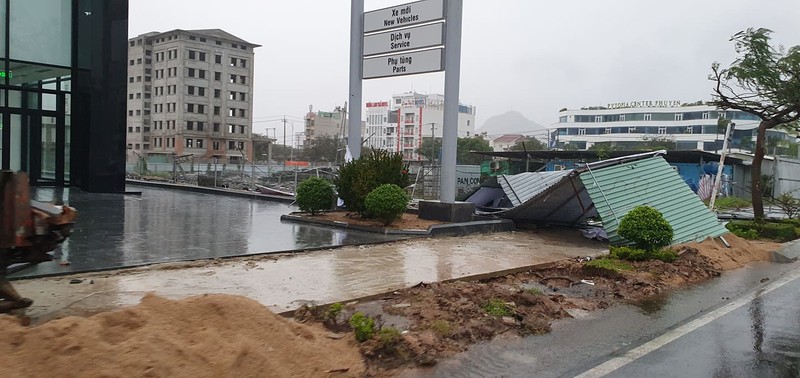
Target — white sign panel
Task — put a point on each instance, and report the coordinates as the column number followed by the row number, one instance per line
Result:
column 404, row 15
column 404, row 39
column 404, row 64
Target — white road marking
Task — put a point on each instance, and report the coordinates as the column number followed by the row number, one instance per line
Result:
column 650, row 346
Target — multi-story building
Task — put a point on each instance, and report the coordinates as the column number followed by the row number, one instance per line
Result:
column 401, row 124
column 190, row 92
column 331, row 124
column 690, row 126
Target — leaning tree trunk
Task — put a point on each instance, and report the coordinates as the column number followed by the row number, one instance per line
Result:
column 755, row 186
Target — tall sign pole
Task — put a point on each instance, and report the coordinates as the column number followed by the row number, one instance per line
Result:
column 356, row 68
column 452, row 75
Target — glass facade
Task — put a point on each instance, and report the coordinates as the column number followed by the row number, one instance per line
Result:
column 45, row 90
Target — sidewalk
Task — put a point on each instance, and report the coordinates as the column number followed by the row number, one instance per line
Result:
column 286, row 281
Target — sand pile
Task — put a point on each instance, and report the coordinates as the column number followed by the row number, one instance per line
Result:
column 741, row 252
column 204, row 336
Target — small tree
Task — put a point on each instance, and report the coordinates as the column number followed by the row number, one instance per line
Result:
column 387, row 203
column 361, row 176
column 528, row 144
column 765, row 82
column 314, row 194
column 646, row 227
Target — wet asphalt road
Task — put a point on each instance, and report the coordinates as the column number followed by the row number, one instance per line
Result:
column 759, row 338
column 166, row 225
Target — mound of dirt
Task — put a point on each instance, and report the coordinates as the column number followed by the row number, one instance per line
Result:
column 204, row 336
column 742, row 251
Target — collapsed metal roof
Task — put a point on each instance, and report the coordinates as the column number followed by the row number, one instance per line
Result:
column 607, row 190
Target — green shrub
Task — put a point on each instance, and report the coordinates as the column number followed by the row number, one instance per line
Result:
column 387, row 203
column 361, row 176
column 496, row 307
column 333, row 312
column 363, row 326
column 314, row 194
column 782, row 231
column 624, row 252
column 646, row 227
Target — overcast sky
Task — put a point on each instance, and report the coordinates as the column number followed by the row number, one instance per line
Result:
column 534, row 57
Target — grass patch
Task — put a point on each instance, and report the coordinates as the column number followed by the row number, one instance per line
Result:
column 609, row 264
column 781, row 231
column 496, row 307
column 534, row 291
column 442, row 327
column 732, row 203
column 363, row 326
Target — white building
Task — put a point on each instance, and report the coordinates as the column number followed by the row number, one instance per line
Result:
column 689, row 126
column 401, row 124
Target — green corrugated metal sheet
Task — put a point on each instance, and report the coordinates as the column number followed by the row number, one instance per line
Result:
column 617, row 189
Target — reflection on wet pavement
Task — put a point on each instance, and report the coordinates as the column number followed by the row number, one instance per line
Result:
column 285, row 281
column 162, row 225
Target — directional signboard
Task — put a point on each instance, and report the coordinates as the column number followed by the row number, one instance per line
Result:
column 404, row 39
column 404, row 64
column 403, row 15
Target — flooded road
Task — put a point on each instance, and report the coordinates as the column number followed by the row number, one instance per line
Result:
column 163, row 225
column 762, row 338
column 283, row 282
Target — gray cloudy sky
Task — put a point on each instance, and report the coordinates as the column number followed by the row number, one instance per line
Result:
column 534, row 57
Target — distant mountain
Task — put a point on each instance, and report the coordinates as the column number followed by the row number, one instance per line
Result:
column 509, row 123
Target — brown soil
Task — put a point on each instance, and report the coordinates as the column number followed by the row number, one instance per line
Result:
column 438, row 320
column 205, row 336
column 406, row 222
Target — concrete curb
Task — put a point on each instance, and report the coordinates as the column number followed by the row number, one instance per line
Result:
column 788, row 252
column 447, row 229
column 203, row 189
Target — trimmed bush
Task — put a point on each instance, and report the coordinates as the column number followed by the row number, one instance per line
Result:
column 779, row 231
column 387, row 203
column 646, row 227
column 625, row 252
column 314, row 195
column 361, row 176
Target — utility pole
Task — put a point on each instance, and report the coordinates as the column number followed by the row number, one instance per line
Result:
column 284, row 142
column 718, row 178
column 433, row 143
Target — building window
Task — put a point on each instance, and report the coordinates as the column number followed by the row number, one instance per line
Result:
column 202, row 74
column 231, row 95
column 242, row 80
column 648, row 116
column 241, row 129
column 689, row 130
column 233, row 62
column 190, row 90
column 200, row 126
column 216, row 127
column 215, row 146
column 132, row 43
column 233, row 79
column 201, row 91
column 706, row 115
column 192, row 55
column 131, row 62
column 216, row 110
column 662, row 130
column 231, row 129
column 130, row 96
column 192, row 38
column 190, row 108
column 581, row 131
column 608, row 130
column 201, row 109
column 243, row 97
column 598, row 119
column 130, row 79
column 622, row 117
column 631, row 130
column 241, row 145
column 679, row 116
column 218, row 59
column 189, row 125
column 242, row 113
column 190, row 72
column 231, row 112
column 199, row 143
column 130, row 113
column 201, row 56
column 243, row 63
column 189, row 143
column 172, row 54
column 231, row 145
column 218, row 44
column 217, row 77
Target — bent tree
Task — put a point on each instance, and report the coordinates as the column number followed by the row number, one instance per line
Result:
column 763, row 81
